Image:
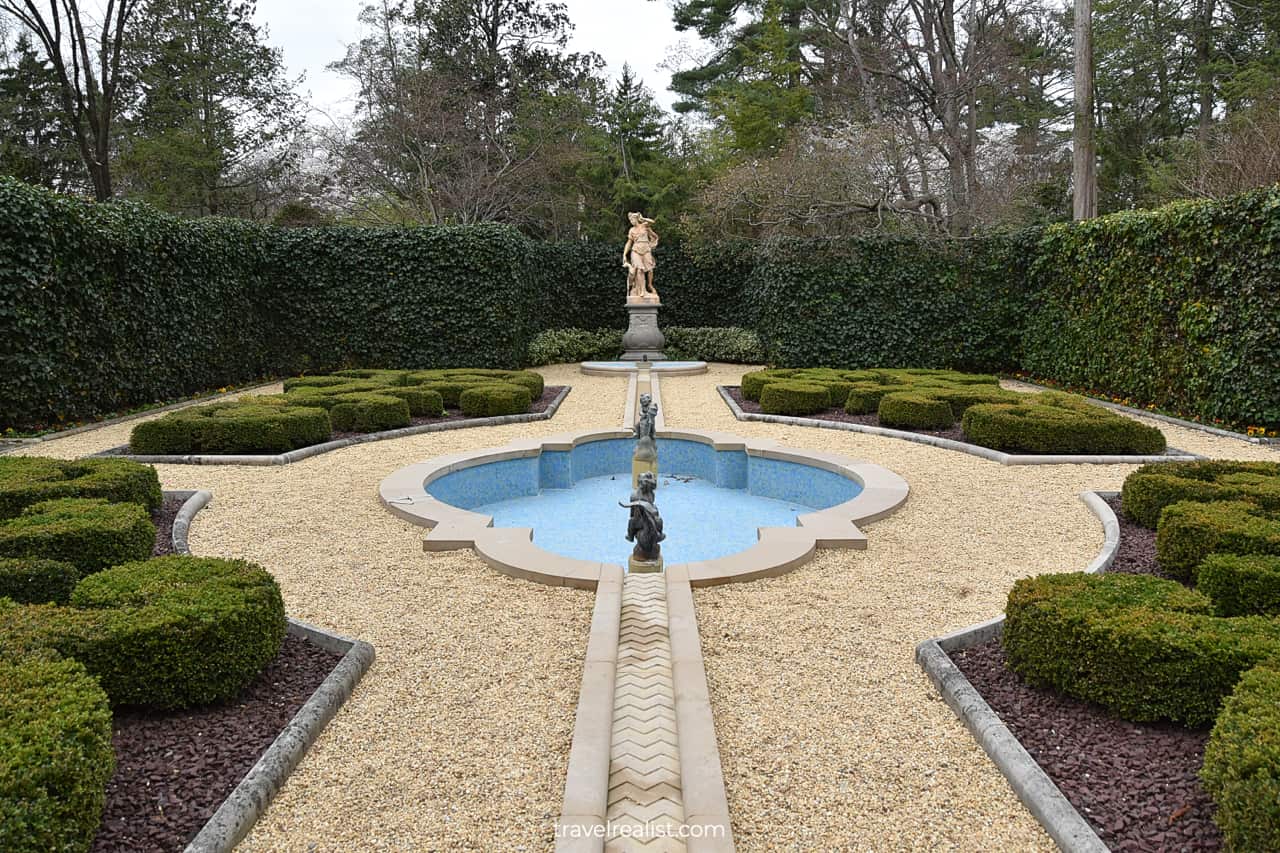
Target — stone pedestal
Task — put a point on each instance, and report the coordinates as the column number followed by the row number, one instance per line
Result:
column 640, row 567
column 643, row 340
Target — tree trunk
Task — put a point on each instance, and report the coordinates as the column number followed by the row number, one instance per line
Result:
column 1083, row 177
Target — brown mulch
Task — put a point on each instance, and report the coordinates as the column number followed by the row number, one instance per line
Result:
column 174, row 769
column 1137, row 784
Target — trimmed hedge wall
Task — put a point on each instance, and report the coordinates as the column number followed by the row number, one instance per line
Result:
column 1175, row 307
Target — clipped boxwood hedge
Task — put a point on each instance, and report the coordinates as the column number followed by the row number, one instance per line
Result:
column 1242, row 763
column 172, row 632
column 1058, row 423
column 1241, row 584
column 497, row 398
column 258, row 424
column 31, row 580
column 1190, row 531
column 1143, row 647
column 89, row 533
column 794, row 397
column 370, row 412
column 55, row 755
column 915, row 411
column 25, row 480
column 1147, row 491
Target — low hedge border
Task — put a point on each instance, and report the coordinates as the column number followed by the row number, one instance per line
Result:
column 32, row 580
column 950, row 444
column 1191, row 531
column 1149, row 490
column 89, row 533
column 298, row 455
column 1057, row 423
column 25, row 480
column 1241, row 762
column 263, row 423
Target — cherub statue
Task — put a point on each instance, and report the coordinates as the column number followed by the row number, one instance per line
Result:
column 645, row 526
column 646, row 430
column 637, row 257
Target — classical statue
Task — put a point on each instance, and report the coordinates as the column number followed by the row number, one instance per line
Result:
column 645, row 525
column 637, row 257
column 646, row 430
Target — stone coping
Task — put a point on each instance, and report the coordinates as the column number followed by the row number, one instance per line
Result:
column 1159, row 416
column 511, row 549
column 621, row 368
column 246, row 803
column 1065, row 825
column 329, row 446
column 1173, row 455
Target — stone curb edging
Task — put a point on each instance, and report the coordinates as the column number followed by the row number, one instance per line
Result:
column 1160, row 416
column 9, row 444
column 949, row 444
column 247, row 802
column 1065, row 825
column 605, row 368
column 329, row 446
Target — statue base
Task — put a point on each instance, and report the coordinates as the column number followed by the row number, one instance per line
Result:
column 639, row 466
column 644, row 567
column 643, row 340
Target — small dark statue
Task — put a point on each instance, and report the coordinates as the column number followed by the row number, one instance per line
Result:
column 645, row 526
column 646, row 430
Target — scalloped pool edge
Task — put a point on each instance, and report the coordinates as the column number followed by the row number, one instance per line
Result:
column 1044, row 799
column 511, row 550
column 247, row 802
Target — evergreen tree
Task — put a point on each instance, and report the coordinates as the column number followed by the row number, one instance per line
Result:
column 35, row 145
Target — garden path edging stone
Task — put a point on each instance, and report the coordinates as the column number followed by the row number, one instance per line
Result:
column 1065, row 825
column 329, row 446
column 1173, row 455
column 249, row 800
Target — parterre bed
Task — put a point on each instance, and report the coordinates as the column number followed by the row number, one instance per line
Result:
column 538, row 406
column 173, row 770
column 837, row 414
column 1137, row 784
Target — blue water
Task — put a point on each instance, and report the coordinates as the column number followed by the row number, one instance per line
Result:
column 701, row 520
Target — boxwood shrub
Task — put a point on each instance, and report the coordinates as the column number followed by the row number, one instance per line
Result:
column 171, row 632
column 794, row 397
column 25, row 480
column 258, row 424
column 1058, row 423
column 568, row 346
column 368, row 412
column 727, row 344
column 1190, row 531
column 495, row 398
column 89, row 533
column 1242, row 763
column 1143, row 647
column 1241, row 584
column 915, row 411
column 32, row 580
column 55, row 755
column 1151, row 488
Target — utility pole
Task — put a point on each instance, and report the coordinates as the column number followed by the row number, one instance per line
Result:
column 1084, row 180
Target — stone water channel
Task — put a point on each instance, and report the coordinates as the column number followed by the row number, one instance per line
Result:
column 644, row 768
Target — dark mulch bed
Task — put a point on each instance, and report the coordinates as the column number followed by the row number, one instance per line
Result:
column 1137, row 783
column 1137, row 552
column 538, row 406
column 839, row 415
column 173, row 770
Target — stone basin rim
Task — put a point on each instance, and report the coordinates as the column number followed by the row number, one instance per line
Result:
column 511, row 550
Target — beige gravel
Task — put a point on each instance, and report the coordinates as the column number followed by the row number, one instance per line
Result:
column 830, row 736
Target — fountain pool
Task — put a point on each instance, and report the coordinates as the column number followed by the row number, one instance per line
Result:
column 713, row 501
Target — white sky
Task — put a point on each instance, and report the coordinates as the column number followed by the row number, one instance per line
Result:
column 314, row 33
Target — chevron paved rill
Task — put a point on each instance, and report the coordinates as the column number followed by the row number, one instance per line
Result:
column 644, row 760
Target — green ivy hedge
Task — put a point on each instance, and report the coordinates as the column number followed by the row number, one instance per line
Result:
column 1175, row 307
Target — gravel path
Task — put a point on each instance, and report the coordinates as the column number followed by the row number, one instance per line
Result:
column 829, row 734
